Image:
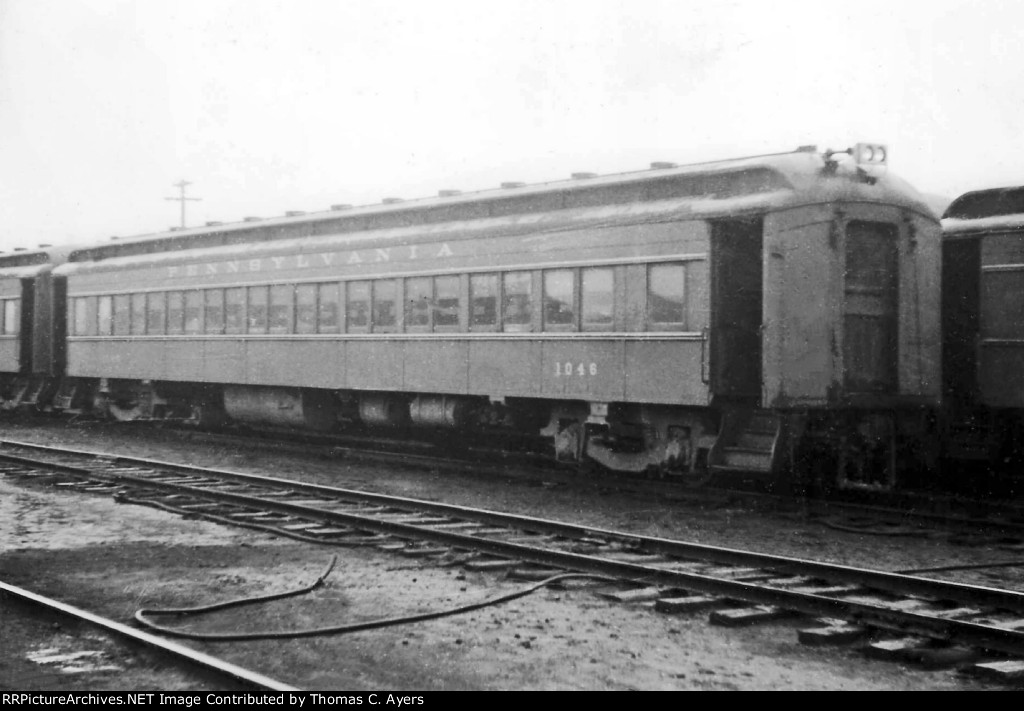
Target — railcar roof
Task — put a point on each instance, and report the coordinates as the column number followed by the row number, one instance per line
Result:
column 985, row 211
column 30, row 262
column 785, row 177
column 560, row 221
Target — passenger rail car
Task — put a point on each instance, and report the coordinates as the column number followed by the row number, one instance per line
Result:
column 983, row 326
column 730, row 317
column 32, row 331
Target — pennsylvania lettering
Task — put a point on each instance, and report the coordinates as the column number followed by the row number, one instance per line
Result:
column 320, row 259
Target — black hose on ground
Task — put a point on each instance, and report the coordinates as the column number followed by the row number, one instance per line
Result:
column 141, row 615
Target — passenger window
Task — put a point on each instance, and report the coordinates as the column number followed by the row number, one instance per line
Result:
column 666, row 289
column 234, row 310
column 483, row 297
column 81, row 326
column 305, row 308
column 559, row 298
column 122, row 315
column 138, row 314
column 328, row 311
column 175, row 312
column 214, row 311
column 871, row 258
column 155, row 313
column 282, row 298
column 446, row 301
column 358, row 305
column 385, row 314
column 193, row 311
column 257, row 312
column 1002, row 300
column 12, row 316
column 517, row 306
column 598, row 290
column 104, row 316
column 418, row 303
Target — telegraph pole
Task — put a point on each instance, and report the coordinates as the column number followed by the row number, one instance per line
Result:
column 182, row 199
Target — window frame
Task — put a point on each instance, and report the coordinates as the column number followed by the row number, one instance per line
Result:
column 574, row 287
column 105, row 315
column 435, row 308
column 11, row 317
column 288, row 310
column 139, row 314
column 122, row 315
column 485, row 327
column 663, row 326
column 350, row 325
column 257, row 309
column 305, row 327
column 411, row 327
column 340, row 315
column 198, row 308
column 592, row 326
column 160, row 328
column 396, row 297
column 527, row 325
column 214, row 327
column 175, row 326
column 240, row 327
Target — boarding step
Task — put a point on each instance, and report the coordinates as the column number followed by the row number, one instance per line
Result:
column 748, row 441
column 25, row 393
column 759, row 441
column 762, row 422
column 33, row 394
column 745, row 458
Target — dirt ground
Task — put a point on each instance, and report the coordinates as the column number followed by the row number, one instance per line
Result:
column 112, row 559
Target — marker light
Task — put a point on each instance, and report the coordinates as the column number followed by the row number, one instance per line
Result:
column 872, row 153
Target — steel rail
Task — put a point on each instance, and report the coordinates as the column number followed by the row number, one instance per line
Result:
column 891, row 582
column 990, row 636
column 207, row 665
column 909, row 507
column 995, row 518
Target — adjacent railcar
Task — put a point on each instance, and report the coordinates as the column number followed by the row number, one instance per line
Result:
column 31, row 326
column 732, row 317
column 983, row 325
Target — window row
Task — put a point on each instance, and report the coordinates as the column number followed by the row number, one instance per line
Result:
column 10, row 312
column 549, row 300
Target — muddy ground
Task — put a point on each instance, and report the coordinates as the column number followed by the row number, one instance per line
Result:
column 113, row 559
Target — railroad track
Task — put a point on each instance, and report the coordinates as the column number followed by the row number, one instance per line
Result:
column 882, row 513
column 219, row 674
column 995, row 521
column 919, row 614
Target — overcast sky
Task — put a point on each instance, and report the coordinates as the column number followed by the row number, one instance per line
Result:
column 275, row 105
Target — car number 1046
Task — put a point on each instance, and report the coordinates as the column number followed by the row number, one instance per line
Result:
column 568, row 368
